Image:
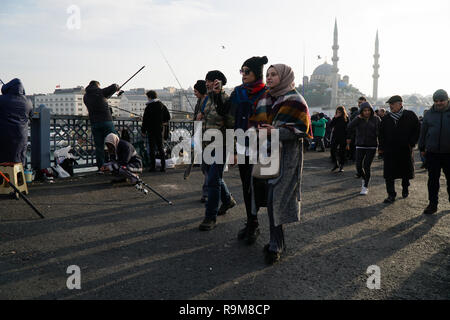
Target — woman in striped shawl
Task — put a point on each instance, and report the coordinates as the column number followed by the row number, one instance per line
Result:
column 285, row 110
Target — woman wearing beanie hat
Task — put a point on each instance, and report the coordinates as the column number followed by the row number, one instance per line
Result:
column 243, row 100
column 366, row 127
column 215, row 118
column 285, row 110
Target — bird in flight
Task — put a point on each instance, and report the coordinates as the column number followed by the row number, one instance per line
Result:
column 223, row 47
column 319, row 57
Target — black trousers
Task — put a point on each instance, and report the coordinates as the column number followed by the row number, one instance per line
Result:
column 338, row 151
column 155, row 141
column 390, row 186
column 364, row 159
column 437, row 162
column 245, row 171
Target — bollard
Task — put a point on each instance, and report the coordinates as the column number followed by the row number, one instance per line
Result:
column 40, row 139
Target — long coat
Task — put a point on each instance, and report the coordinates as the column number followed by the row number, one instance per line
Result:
column 397, row 141
column 15, row 110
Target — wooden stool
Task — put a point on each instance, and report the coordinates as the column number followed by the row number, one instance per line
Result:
column 15, row 173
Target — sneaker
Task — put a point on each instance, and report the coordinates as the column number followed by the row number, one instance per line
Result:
column 225, row 207
column 389, row 200
column 341, row 170
column 405, row 194
column 208, row 224
column 364, row 191
column 431, row 209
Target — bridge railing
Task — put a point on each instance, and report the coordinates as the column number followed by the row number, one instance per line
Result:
column 75, row 131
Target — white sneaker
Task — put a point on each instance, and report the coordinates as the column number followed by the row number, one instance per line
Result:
column 364, row 191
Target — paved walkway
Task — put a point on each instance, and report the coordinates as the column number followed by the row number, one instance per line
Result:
column 132, row 246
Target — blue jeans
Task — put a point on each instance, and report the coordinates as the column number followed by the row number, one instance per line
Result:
column 217, row 190
column 100, row 130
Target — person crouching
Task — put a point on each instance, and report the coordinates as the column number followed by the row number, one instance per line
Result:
column 124, row 160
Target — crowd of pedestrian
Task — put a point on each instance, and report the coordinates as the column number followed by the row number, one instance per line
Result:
column 269, row 106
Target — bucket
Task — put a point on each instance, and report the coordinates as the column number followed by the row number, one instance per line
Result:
column 29, row 176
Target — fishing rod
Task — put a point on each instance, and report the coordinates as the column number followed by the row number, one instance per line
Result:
column 22, row 195
column 176, row 78
column 131, row 78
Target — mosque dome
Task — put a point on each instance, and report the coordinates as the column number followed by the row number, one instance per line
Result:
column 323, row 70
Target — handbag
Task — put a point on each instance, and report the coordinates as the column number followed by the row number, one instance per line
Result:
column 259, row 168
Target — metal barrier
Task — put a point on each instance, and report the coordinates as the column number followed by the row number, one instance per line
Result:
column 76, row 131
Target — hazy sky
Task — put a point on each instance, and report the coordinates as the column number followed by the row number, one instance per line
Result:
column 116, row 38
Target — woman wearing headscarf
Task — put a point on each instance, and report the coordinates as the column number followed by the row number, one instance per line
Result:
column 244, row 100
column 338, row 138
column 125, row 161
column 285, row 110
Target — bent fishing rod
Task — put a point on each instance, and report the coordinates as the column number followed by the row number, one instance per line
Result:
column 176, row 78
column 22, row 196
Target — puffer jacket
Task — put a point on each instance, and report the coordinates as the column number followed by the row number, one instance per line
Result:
column 366, row 131
column 435, row 131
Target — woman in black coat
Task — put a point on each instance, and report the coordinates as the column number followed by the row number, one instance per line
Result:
column 399, row 133
column 338, row 138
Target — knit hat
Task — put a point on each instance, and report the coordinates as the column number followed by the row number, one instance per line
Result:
column 440, row 95
column 200, row 86
column 256, row 65
column 216, row 74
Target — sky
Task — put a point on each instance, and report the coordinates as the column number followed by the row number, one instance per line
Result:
column 45, row 44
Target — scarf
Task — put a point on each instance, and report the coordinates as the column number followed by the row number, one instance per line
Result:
column 289, row 111
column 396, row 116
column 254, row 87
column 286, row 80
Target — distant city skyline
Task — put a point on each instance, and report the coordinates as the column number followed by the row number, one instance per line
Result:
column 114, row 39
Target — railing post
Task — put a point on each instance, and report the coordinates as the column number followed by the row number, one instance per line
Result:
column 40, row 139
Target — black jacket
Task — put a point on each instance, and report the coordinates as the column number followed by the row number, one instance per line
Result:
column 366, row 131
column 15, row 110
column 96, row 101
column 339, row 127
column 155, row 114
column 397, row 140
column 126, row 155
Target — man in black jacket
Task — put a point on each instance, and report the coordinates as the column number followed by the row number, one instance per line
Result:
column 434, row 144
column 155, row 115
column 399, row 133
column 96, row 101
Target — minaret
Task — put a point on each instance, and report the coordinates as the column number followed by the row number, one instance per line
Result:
column 334, row 94
column 376, row 67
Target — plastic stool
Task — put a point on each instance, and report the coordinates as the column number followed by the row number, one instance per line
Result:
column 15, row 173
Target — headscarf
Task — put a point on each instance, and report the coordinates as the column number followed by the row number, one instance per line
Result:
column 113, row 139
column 286, row 80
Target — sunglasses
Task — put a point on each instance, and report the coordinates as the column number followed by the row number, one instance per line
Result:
column 245, row 71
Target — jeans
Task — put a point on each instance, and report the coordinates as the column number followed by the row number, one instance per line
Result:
column 217, row 190
column 100, row 130
column 437, row 162
column 364, row 159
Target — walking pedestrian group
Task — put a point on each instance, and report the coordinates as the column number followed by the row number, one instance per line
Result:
column 275, row 110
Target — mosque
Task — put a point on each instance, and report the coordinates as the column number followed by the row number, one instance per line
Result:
column 326, row 88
